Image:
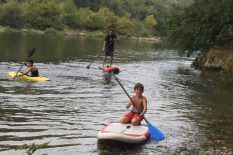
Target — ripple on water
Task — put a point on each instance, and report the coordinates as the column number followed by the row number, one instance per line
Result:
column 69, row 110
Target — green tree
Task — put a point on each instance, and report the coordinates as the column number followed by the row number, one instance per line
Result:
column 96, row 21
column 11, row 15
column 45, row 14
column 124, row 25
column 91, row 4
column 197, row 27
column 150, row 21
column 83, row 17
column 71, row 17
column 109, row 18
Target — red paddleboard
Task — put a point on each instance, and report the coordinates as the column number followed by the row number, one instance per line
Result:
column 110, row 69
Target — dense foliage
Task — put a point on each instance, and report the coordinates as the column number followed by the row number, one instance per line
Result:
column 128, row 17
column 202, row 25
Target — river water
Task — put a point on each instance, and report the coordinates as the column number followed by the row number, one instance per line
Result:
column 193, row 109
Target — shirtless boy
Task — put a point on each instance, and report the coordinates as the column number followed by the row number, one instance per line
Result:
column 135, row 116
column 31, row 68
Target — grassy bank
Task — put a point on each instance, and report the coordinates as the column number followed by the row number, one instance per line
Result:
column 68, row 32
column 74, row 32
column 216, row 59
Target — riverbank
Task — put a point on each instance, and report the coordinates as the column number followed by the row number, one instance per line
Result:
column 216, row 59
column 77, row 32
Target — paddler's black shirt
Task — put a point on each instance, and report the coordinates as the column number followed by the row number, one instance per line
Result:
column 110, row 41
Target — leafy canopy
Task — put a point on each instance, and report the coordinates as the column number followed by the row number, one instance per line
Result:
column 201, row 25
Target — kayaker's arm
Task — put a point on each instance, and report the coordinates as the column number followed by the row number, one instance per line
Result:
column 25, row 73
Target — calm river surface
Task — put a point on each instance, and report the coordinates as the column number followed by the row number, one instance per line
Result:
column 193, row 109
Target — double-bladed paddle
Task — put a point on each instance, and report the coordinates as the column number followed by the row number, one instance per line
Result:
column 31, row 51
column 155, row 133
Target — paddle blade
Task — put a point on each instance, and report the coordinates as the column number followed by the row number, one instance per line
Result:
column 31, row 51
column 88, row 66
column 155, row 133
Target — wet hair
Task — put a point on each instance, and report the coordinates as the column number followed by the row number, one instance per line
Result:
column 139, row 86
column 30, row 61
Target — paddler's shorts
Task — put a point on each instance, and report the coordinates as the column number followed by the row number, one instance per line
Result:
column 109, row 52
column 130, row 115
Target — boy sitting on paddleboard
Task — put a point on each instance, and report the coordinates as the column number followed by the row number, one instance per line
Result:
column 135, row 116
column 31, row 68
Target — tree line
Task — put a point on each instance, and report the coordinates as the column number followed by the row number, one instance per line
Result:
column 137, row 17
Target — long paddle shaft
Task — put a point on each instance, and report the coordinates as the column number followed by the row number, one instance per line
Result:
column 155, row 133
column 31, row 51
column 88, row 66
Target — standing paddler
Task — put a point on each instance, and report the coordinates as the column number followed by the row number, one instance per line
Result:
column 108, row 46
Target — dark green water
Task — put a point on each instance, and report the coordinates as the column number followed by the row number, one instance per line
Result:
column 193, row 109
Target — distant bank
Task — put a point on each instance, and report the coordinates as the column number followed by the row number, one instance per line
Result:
column 83, row 33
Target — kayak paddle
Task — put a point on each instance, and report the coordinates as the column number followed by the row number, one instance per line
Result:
column 155, row 133
column 31, row 51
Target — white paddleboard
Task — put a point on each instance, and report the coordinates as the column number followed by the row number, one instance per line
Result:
column 126, row 133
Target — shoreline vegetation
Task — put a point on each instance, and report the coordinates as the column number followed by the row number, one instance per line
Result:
column 197, row 29
column 77, row 32
column 217, row 59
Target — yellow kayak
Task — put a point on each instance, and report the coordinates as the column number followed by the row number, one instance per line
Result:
column 30, row 78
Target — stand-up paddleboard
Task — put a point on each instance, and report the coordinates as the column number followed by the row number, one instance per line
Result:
column 29, row 78
column 126, row 133
column 110, row 69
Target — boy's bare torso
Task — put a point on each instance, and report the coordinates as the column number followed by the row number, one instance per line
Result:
column 138, row 102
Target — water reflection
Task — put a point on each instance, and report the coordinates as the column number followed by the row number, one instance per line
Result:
column 56, row 48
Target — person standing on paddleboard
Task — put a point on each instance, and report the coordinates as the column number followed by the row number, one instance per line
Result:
column 135, row 116
column 31, row 68
column 108, row 46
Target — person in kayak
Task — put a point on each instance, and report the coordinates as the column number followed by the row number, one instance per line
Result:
column 31, row 68
column 134, row 116
column 108, row 46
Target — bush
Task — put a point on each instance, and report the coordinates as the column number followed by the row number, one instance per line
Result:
column 11, row 15
column 139, row 29
column 124, row 25
column 83, row 17
column 45, row 14
column 50, row 30
column 95, row 22
column 71, row 17
column 108, row 17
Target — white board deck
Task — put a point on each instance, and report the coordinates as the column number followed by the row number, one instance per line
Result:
column 124, row 133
